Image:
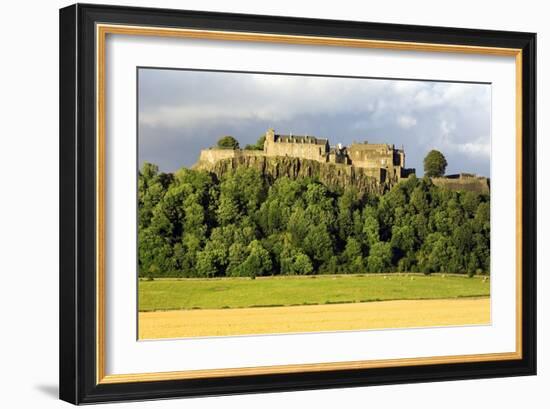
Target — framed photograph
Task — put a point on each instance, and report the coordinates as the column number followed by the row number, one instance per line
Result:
column 257, row 203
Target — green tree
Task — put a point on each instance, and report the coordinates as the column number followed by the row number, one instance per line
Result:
column 238, row 253
column 482, row 217
column 228, row 142
column 379, row 259
column 155, row 255
column 228, row 210
column 318, row 243
column 371, row 227
column 211, row 261
column 302, row 264
column 152, row 186
column 420, row 199
column 185, row 254
column 348, row 203
column 283, row 196
column 352, row 257
column 295, row 262
column 258, row 146
column 244, row 191
column 436, row 254
column 403, row 240
column 258, row 261
column 434, row 164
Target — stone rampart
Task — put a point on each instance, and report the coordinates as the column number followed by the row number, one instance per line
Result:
column 210, row 157
column 469, row 184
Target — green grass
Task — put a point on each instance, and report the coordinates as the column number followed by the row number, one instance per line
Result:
column 174, row 294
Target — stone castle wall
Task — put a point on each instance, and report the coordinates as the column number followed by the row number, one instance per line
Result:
column 470, row 184
column 379, row 156
column 297, row 150
column 300, row 147
column 213, row 155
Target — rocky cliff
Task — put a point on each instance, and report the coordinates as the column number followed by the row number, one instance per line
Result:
column 331, row 174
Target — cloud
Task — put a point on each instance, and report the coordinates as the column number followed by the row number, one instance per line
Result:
column 406, row 121
column 273, row 97
column 476, row 148
column 181, row 112
column 451, row 140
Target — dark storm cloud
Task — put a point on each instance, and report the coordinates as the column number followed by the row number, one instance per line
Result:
column 182, row 112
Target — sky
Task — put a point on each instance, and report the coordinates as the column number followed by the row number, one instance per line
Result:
column 181, row 112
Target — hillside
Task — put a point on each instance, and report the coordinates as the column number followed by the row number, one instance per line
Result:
column 233, row 221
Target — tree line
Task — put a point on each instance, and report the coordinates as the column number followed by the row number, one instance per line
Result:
column 193, row 225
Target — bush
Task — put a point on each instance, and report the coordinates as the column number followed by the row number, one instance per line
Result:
column 228, row 142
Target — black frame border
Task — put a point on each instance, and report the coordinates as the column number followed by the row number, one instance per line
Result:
column 77, row 317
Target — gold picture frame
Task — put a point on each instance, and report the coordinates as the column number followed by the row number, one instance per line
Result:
column 103, row 22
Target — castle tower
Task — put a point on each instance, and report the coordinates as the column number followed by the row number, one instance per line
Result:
column 269, row 140
column 402, row 154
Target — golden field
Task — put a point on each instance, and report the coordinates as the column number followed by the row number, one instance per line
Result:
column 314, row 318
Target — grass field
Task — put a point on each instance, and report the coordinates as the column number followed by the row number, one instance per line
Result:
column 186, row 294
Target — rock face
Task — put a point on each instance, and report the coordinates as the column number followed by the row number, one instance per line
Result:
column 331, row 174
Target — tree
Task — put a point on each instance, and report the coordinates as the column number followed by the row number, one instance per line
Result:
column 155, row 255
column 258, row 261
column 403, row 240
column 371, row 226
column 302, row 264
column 318, row 243
column 258, row 146
column 435, row 254
column 185, row 254
column 211, row 260
column 293, row 261
column 237, row 255
column 151, row 188
column 148, row 171
column 260, row 142
column 245, row 188
column 228, row 142
column 228, row 211
column 347, row 204
column 434, row 164
column 379, row 259
column 352, row 257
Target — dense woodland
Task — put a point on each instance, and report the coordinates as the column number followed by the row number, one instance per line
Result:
column 193, row 225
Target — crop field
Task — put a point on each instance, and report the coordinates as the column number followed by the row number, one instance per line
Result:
column 314, row 318
column 178, row 294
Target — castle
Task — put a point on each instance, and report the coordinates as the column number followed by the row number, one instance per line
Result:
column 381, row 161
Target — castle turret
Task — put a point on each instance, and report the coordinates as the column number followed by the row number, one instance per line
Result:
column 270, row 135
